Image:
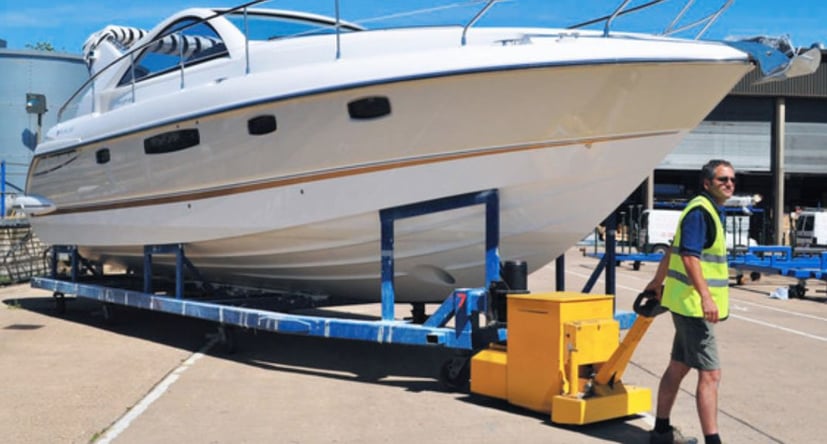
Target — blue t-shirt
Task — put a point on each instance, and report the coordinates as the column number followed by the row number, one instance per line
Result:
column 698, row 231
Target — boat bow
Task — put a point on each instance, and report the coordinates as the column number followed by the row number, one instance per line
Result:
column 777, row 58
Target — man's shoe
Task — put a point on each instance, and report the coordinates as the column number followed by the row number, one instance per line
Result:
column 673, row 436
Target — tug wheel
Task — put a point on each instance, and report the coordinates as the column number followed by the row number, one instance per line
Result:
column 455, row 373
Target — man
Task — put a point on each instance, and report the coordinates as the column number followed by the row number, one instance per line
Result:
column 696, row 277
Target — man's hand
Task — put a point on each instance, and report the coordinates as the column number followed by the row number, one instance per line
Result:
column 710, row 308
column 656, row 287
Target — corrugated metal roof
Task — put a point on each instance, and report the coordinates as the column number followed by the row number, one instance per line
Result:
column 814, row 85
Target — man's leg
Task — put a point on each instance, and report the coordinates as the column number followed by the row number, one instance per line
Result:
column 707, row 400
column 670, row 383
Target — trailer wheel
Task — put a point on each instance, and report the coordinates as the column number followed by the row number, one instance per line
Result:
column 739, row 279
column 455, row 373
column 227, row 338
column 755, row 276
column 60, row 302
column 108, row 312
column 797, row 291
column 636, row 265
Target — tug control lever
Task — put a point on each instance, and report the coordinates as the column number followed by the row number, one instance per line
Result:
column 647, row 307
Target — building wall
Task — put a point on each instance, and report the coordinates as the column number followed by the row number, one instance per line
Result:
column 56, row 76
column 740, row 130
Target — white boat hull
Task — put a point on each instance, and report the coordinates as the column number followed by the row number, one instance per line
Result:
column 546, row 206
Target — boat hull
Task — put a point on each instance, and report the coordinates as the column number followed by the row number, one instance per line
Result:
column 546, row 206
column 298, row 210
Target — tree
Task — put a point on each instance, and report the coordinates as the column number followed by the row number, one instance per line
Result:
column 41, row 46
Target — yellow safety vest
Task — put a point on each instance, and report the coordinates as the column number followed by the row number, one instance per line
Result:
column 679, row 295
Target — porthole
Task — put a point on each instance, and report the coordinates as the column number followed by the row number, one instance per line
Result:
column 172, row 141
column 369, row 108
column 261, row 125
column 102, row 155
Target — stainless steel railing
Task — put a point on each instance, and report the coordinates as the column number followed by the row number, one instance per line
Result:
column 90, row 83
column 705, row 21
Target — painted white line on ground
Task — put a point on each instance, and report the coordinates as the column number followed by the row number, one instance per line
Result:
column 124, row 421
column 587, row 276
column 780, row 310
column 778, row 327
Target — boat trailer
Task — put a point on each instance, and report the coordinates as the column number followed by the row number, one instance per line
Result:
column 798, row 263
column 557, row 353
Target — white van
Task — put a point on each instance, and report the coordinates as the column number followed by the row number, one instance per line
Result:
column 811, row 229
column 658, row 230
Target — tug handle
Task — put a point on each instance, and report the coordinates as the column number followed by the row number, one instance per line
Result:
column 647, row 307
column 647, row 304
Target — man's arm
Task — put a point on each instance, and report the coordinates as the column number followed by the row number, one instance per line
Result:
column 656, row 284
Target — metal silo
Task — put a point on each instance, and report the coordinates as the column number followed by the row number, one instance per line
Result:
column 31, row 76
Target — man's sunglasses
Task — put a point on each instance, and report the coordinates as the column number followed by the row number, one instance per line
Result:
column 725, row 179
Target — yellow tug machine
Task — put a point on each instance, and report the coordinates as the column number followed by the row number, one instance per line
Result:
column 564, row 356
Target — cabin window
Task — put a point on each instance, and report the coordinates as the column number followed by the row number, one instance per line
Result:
column 102, row 156
column 184, row 43
column 261, row 125
column 172, row 141
column 369, row 108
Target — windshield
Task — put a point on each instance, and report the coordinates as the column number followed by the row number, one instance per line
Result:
column 272, row 25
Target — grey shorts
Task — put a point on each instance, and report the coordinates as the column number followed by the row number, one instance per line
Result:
column 695, row 343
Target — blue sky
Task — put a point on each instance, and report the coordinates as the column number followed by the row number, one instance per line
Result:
column 65, row 25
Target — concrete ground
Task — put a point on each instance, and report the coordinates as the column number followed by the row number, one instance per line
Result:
column 150, row 377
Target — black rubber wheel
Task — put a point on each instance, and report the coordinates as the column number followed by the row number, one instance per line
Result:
column 455, row 374
column 636, row 266
column 60, row 302
column 227, row 338
column 797, row 291
column 418, row 315
column 108, row 312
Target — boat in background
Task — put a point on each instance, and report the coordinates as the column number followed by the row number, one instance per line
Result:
column 267, row 141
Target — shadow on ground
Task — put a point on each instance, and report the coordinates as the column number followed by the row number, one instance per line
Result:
column 411, row 368
column 359, row 361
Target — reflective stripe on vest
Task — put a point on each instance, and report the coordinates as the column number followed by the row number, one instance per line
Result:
column 679, row 295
